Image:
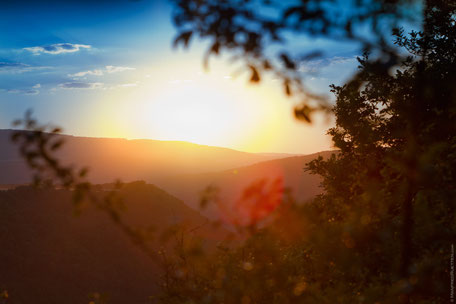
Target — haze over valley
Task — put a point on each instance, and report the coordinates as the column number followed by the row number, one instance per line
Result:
column 47, row 248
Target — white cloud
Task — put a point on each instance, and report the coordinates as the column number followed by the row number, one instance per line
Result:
column 115, row 69
column 57, row 48
column 110, row 69
column 85, row 73
column 37, row 86
column 81, row 85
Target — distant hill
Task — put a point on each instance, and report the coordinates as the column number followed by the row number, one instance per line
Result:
column 182, row 169
column 50, row 256
column 232, row 182
column 130, row 160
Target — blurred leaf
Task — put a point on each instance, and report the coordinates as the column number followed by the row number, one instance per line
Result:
column 57, row 144
column 287, row 88
column 303, row 112
column 289, row 64
column 83, row 172
column 255, row 77
column 56, row 130
column 183, row 38
column 312, row 55
column 215, row 47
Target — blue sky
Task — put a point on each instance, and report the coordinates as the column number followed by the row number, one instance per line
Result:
column 85, row 65
column 84, row 37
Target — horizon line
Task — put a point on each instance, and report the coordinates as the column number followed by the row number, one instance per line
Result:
column 173, row 141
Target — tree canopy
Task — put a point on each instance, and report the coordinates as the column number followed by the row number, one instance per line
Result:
column 259, row 34
column 382, row 232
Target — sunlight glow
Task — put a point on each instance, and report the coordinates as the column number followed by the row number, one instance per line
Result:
column 180, row 102
column 195, row 111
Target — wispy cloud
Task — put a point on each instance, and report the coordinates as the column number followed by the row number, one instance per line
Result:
column 12, row 65
column 81, row 85
column 109, row 69
column 128, row 85
column 313, row 66
column 33, row 90
column 23, row 91
column 115, row 69
column 18, row 67
column 57, row 48
column 85, row 73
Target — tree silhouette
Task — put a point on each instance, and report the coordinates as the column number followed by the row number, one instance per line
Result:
column 258, row 33
column 396, row 141
column 386, row 219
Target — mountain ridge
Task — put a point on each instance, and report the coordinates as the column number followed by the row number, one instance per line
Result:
column 284, row 154
column 130, row 159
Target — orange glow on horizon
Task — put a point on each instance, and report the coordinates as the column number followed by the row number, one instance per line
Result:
column 180, row 102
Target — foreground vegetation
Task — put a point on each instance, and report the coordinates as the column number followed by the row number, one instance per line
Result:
column 383, row 230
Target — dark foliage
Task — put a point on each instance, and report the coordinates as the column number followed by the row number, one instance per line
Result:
column 383, row 230
column 258, row 33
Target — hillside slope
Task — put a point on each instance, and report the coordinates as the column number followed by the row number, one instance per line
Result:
column 50, row 256
column 231, row 183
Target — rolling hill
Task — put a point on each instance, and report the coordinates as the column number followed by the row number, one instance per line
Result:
column 130, row 160
column 48, row 255
column 231, row 183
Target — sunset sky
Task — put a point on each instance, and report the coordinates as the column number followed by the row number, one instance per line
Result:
column 109, row 70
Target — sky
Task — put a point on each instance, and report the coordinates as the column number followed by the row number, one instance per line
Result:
column 108, row 69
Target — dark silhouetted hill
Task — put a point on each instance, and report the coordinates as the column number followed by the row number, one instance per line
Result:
column 48, row 255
